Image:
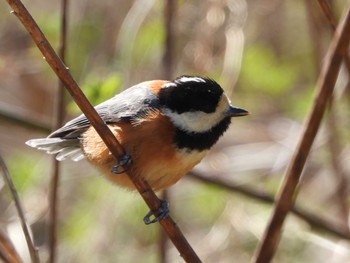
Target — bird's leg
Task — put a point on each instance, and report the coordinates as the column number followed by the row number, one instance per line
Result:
column 163, row 209
column 123, row 162
column 159, row 214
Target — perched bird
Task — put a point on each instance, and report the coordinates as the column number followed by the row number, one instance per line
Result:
column 166, row 127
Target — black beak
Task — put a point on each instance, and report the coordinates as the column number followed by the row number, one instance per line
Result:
column 236, row 112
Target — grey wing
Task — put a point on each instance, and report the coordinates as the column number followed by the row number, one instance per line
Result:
column 124, row 107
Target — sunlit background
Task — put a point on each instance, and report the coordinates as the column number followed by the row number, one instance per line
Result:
column 267, row 56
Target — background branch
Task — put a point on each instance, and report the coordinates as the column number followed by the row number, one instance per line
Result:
column 60, row 109
column 168, row 62
column 327, row 11
column 315, row 221
column 7, row 252
column 325, row 85
column 24, row 120
column 7, row 178
column 316, row 25
column 333, row 130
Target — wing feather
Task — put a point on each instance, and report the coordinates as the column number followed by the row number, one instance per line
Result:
column 124, row 107
column 128, row 106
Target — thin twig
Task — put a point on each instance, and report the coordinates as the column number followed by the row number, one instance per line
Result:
column 58, row 123
column 7, row 178
column 23, row 120
column 285, row 196
column 168, row 65
column 332, row 125
column 328, row 13
column 101, row 128
column 326, row 8
column 315, row 31
column 7, row 252
column 168, row 57
column 340, row 191
column 333, row 23
column 313, row 220
column 63, row 73
column 163, row 239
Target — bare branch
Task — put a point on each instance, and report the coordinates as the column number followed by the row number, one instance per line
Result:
column 7, row 178
column 333, row 141
column 60, row 109
column 315, row 221
column 7, row 252
column 325, row 86
column 168, row 65
column 326, row 9
column 23, row 119
column 101, row 128
column 328, row 13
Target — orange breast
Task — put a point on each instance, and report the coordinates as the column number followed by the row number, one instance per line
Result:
column 150, row 144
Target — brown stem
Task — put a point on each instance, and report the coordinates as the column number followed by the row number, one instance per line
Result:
column 101, row 128
column 286, row 194
column 168, row 65
column 7, row 178
column 333, row 141
column 7, row 252
column 333, row 23
column 58, row 123
column 315, row 221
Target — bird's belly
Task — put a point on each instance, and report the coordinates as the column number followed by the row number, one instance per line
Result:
column 167, row 173
column 160, row 174
column 157, row 161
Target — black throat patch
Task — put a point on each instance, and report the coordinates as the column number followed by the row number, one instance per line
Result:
column 200, row 141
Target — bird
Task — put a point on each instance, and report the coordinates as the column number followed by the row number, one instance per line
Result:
column 165, row 127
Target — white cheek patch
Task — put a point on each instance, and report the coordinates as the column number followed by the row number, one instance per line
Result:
column 198, row 121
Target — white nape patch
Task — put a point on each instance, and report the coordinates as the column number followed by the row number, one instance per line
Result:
column 198, row 121
column 169, row 84
column 190, row 79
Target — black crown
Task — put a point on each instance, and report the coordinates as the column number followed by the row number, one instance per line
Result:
column 190, row 93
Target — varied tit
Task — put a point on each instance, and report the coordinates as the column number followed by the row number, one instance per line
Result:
column 166, row 127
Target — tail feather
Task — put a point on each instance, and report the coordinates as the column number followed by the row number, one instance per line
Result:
column 67, row 152
column 43, row 143
column 53, row 149
column 64, row 148
column 76, row 157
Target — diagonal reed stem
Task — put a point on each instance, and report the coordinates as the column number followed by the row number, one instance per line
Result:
column 150, row 198
column 324, row 89
column 7, row 178
column 60, row 109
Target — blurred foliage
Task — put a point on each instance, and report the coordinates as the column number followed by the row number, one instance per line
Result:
column 263, row 72
column 267, row 55
column 149, row 41
column 22, row 172
column 98, row 90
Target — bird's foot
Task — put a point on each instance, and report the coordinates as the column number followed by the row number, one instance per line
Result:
column 159, row 214
column 122, row 165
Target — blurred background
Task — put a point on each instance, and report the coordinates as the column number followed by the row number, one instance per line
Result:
column 266, row 54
